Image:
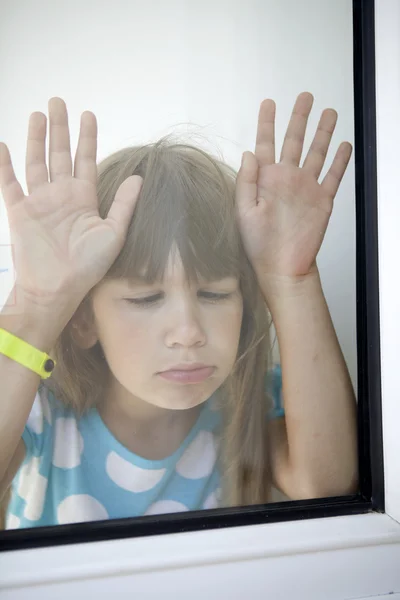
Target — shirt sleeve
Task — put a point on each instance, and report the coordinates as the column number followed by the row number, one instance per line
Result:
column 273, row 387
column 38, row 425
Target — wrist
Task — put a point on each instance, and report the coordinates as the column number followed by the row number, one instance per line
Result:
column 38, row 324
column 36, row 334
column 280, row 290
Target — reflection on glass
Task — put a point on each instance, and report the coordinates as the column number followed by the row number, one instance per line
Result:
column 152, row 281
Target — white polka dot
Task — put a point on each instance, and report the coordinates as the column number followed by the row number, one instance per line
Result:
column 129, row 476
column 35, row 419
column 13, row 522
column 212, row 500
column 199, row 458
column 79, row 508
column 165, row 507
column 39, row 410
column 32, row 488
column 68, row 445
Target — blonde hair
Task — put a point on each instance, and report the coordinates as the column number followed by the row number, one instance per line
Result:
column 188, row 200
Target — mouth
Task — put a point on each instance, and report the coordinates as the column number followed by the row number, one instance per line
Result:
column 188, row 373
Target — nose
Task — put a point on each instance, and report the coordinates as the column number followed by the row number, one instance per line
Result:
column 186, row 329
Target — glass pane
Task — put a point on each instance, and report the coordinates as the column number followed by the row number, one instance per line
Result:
column 201, row 315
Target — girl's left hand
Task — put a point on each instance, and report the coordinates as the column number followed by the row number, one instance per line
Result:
column 282, row 210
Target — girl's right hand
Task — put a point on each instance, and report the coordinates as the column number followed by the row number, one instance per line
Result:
column 61, row 246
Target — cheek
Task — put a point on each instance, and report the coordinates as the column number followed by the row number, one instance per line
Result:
column 227, row 327
column 125, row 335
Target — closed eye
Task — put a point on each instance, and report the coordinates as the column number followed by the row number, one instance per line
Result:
column 214, row 296
column 146, row 301
column 150, row 300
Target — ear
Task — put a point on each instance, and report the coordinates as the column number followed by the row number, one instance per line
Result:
column 82, row 326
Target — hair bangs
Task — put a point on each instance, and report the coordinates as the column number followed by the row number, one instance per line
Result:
column 186, row 205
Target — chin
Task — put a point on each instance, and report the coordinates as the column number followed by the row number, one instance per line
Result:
column 184, row 400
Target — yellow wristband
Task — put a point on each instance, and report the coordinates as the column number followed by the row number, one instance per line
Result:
column 25, row 354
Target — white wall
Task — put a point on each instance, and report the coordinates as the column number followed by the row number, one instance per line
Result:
column 142, row 68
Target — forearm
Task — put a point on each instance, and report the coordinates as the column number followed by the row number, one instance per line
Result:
column 40, row 328
column 319, row 401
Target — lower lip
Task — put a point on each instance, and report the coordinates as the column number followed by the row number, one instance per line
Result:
column 194, row 376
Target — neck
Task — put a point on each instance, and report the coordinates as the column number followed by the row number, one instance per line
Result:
column 145, row 429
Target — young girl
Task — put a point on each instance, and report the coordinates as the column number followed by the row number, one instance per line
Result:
column 148, row 281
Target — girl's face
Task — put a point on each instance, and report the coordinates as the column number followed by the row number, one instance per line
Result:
column 170, row 344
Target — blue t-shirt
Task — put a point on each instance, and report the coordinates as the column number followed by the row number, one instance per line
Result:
column 75, row 470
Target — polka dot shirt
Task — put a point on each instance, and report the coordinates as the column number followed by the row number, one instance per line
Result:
column 76, row 470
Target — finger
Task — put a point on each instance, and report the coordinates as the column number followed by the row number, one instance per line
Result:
column 294, row 138
column 125, row 200
column 246, row 183
column 10, row 188
column 265, row 140
column 60, row 160
column 334, row 176
column 36, row 172
column 316, row 156
column 85, row 159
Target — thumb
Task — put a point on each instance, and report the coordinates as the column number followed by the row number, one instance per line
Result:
column 124, row 204
column 246, row 182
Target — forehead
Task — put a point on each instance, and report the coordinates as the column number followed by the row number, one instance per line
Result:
column 174, row 269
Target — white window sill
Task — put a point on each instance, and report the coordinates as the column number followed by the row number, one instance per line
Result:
column 188, row 560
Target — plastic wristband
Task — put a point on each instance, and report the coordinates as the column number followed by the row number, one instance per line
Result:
column 25, row 354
